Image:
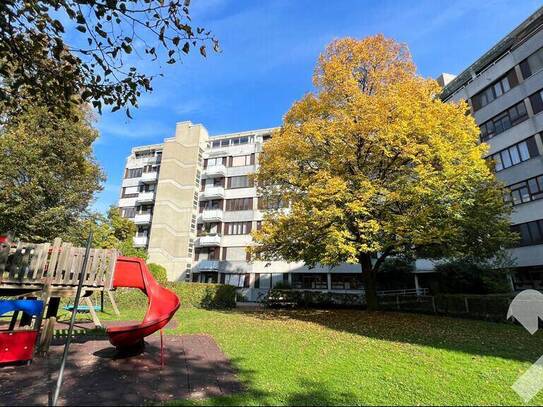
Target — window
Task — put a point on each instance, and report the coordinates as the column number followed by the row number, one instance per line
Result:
column 237, row 228
column 495, row 90
column 129, row 192
column 240, row 204
column 515, row 154
column 504, row 121
column 212, row 162
column 537, row 101
column 525, row 191
column 310, row 281
column 242, row 160
column 147, row 187
column 237, row 280
column 143, row 231
column 212, row 228
column 272, row 202
column 214, row 204
column 144, row 209
column 243, row 181
column 133, row 172
column 128, row 212
column 531, row 233
column 532, row 64
column 216, row 144
column 351, row 281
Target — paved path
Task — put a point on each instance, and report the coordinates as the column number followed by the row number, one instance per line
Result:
column 194, row 367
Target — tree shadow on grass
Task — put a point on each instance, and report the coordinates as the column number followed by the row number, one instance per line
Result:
column 482, row 338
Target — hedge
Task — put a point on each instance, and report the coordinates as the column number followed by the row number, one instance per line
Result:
column 199, row 295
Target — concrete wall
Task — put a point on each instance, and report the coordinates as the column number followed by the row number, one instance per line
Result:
column 171, row 238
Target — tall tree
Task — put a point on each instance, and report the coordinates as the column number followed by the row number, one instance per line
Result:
column 37, row 62
column 374, row 164
column 109, row 232
column 48, row 174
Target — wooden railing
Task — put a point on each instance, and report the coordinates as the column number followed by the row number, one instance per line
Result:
column 29, row 264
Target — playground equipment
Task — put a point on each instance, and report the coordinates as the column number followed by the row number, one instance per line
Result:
column 18, row 345
column 50, row 272
column 162, row 303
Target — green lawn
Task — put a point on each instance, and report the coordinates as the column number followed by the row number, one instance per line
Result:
column 310, row 357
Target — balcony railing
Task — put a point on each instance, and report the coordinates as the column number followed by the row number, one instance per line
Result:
column 209, row 240
column 147, row 177
column 216, row 170
column 208, row 265
column 140, row 241
column 212, row 192
column 145, row 197
column 212, row 215
column 142, row 218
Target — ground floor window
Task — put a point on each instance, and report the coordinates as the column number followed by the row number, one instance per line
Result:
column 310, row 281
column 528, row 277
column 346, row 281
column 237, row 280
column 208, row 278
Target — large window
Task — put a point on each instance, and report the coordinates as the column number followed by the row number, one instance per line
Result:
column 237, row 280
column 129, row 192
column 495, row 90
column 531, row 233
column 240, row 204
column 234, row 141
column 271, row 202
column 242, row 160
column 515, row 154
column 237, row 228
column 525, row 191
column 128, row 212
column 242, row 181
column 537, row 101
column 212, row 162
column 346, row 281
column 504, row 121
column 133, row 172
column 214, row 204
column 532, row 64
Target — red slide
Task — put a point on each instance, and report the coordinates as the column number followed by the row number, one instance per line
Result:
column 132, row 272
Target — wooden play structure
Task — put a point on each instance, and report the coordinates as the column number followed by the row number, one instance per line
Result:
column 50, row 272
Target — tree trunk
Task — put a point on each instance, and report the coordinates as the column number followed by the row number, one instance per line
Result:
column 370, row 283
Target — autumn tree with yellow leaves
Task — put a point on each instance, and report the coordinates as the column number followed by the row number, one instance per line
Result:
column 374, row 164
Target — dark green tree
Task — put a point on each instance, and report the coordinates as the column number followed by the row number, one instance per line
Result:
column 48, row 174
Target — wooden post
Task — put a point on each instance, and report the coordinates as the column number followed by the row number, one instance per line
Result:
column 466, row 304
column 95, row 320
column 113, row 303
column 434, row 304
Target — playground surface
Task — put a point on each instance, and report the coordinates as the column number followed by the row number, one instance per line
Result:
column 194, row 367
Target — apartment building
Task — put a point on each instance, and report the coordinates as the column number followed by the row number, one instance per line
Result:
column 195, row 205
column 504, row 89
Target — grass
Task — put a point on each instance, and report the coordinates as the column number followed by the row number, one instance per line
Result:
column 312, row 357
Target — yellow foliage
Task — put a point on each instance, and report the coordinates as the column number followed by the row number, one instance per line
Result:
column 374, row 162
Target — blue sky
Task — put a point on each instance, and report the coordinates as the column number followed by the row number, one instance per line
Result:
column 269, row 49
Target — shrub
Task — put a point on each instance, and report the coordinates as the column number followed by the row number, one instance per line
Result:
column 461, row 277
column 282, row 285
column 158, row 272
column 395, row 273
column 199, row 295
column 278, row 297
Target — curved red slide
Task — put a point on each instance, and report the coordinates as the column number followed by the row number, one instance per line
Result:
column 132, row 272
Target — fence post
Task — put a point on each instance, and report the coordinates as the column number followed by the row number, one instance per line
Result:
column 466, row 303
column 398, row 302
column 434, row 304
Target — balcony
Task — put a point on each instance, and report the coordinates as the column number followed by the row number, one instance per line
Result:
column 212, row 215
column 142, row 219
column 209, row 240
column 145, row 197
column 149, row 177
column 215, row 171
column 140, row 241
column 208, row 265
column 212, row 192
